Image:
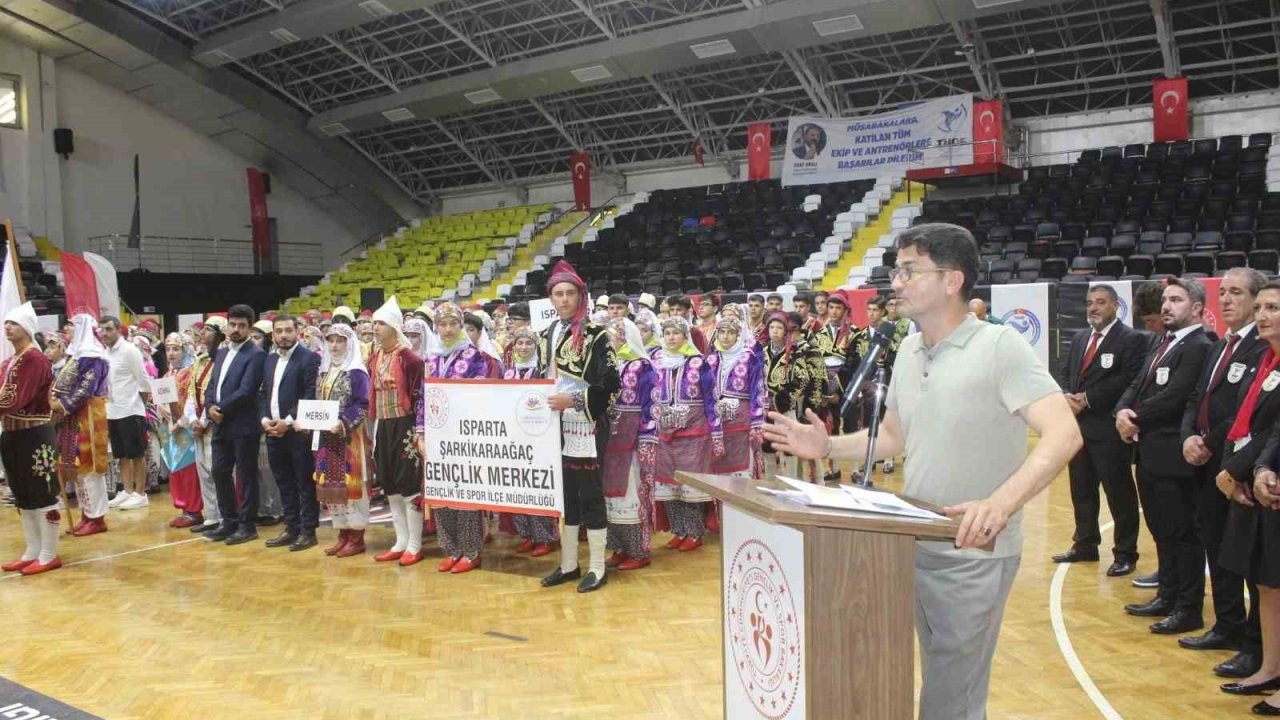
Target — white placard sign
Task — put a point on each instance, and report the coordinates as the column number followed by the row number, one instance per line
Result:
column 492, row 445
column 764, row 620
column 542, row 313
column 164, row 390
column 186, row 321
column 47, row 323
column 316, row 415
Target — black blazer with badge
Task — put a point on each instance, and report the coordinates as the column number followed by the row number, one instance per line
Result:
column 1159, row 396
column 1225, row 395
column 1262, row 445
column 1119, row 358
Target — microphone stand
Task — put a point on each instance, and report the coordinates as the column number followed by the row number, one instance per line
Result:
column 878, row 392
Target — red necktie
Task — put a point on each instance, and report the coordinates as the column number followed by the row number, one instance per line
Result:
column 1091, row 351
column 1202, row 416
column 1160, row 351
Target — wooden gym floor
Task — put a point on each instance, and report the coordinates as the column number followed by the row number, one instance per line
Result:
column 148, row 623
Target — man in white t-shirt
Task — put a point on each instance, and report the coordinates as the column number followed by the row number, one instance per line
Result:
column 126, row 413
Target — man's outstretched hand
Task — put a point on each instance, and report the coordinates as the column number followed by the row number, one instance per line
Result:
column 809, row 442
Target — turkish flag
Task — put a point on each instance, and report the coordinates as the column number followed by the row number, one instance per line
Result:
column 258, row 214
column 857, row 299
column 581, row 164
column 759, row 147
column 81, row 284
column 1171, row 119
column 697, row 151
column 1213, row 306
column 988, row 131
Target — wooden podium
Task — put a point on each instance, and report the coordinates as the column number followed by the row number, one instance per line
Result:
column 818, row 605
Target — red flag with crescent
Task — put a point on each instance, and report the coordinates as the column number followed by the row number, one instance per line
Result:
column 759, row 148
column 1171, row 118
column 988, row 131
column 580, row 163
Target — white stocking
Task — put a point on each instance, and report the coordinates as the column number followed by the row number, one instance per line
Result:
column 50, row 530
column 413, row 513
column 400, row 521
column 569, row 549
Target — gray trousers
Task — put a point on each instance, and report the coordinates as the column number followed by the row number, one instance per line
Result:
column 959, row 607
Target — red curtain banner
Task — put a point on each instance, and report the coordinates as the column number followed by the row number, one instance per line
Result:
column 697, row 152
column 759, row 147
column 81, row 284
column 258, row 214
column 988, row 131
column 858, row 304
column 1171, row 118
column 581, row 164
column 1213, row 307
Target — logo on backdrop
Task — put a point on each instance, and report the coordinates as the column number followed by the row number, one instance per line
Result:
column 533, row 414
column 951, row 119
column 1122, row 314
column 436, row 407
column 1025, row 322
column 764, row 633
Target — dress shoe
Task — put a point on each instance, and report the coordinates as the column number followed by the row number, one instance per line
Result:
column 447, row 564
column 221, row 532
column 674, row 542
column 690, row 543
column 1212, row 640
column 1120, row 568
column 1236, row 688
column 1156, row 608
column 16, row 565
column 38, row 567
column 284, row 539
column 1147, row 581
column 303, row 541
column 388, row 556
column 1075, row 555
column 615, row 559
column 634, row 564
column 1180, row 621
column 540, row 550
column 411, row 558
column 203, row 527
column 343, row 536
column 242, row 536
column 1266, row 708
column 267, row 521
column 465, row 564
column 525, row 546
column 186, row 520
column 92, row 526
column 590, row 582
column 559, row 577
column 354, row 546
column 1241, row 665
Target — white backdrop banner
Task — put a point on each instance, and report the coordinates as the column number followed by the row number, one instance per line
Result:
column 1025, row 308
column 1123, row 288
column 935, row 133
column 492, row 445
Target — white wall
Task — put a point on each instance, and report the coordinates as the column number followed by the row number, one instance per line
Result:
column 29, row 185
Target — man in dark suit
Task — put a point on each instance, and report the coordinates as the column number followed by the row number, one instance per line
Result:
column 1205, row 422
column 289, row 375
column 1150, row 414
column 1103, row 361
column 231, row 403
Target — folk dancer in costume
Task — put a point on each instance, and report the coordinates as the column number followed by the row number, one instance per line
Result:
column 741, row 398
column 834, row 340
column 28, row 445
column 461, row 532
column 788, row 382
column 876, row 309
column 538, row 533
column 396, row 375
column 342, row 460
column 177, row 443
column 647, row 323
column 211, row 338
column 581, row 362
column 478, row 334
column 628, row 492
column 686, row 429
column 80, row 400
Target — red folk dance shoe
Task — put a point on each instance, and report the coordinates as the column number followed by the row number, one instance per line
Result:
column 447, row 564
column 674, row 542
column 342, row 542
column 16, row 565
column 540, row 550
column 388, row 556
column 80, row 524
column 410, row 558
column 465, row 565
column 355, row 544
column 615, row 559
column 690, row 543
column 525, row 546
column 187, row 520
column 92, row 527
column 36, row 568
column 634, row 564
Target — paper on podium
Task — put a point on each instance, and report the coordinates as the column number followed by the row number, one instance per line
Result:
column 850, row 497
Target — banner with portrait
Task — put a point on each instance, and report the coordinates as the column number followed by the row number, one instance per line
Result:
column 935, row 133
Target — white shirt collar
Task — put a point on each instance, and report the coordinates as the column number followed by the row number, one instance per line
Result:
column 1180, row 334
column 1104, row 331
column 288, row 353
column 1244, row 331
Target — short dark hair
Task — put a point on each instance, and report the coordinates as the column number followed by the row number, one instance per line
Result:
column 773, row 296
column 879, row 301
column 713, row 298
column 823, row 293
column 473, row 320
column 1195, row 289
column 620, row 299
column 1106, row 290
column 756, row 297
column 242, row 312
column 804, row 297
column 949, row 246
column 284, row 317
column 518, row 311
column 109, row 319
column 679, row 300
column 797, row 320
column 1147, row 298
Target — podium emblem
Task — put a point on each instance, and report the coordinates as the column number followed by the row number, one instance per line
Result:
column 763, row 629
column 437, row 407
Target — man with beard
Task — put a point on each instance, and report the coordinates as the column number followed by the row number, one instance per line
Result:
column 289, row 375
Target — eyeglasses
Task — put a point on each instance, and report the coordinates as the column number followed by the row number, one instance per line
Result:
column 910, row 272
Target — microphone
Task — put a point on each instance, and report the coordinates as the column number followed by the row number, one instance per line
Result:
column 875, row 348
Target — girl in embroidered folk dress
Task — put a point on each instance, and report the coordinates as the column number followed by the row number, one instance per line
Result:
column 741, row 398
column 461, row 532
column 80, row 398
column 628, row 493
column 686, row 428
column 211, row 337
column 342, row 461
column 177, row 445
column 648, row 323
column 538, row 534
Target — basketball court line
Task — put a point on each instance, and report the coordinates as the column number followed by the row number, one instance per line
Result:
column 1064, row 641
column 10, row 576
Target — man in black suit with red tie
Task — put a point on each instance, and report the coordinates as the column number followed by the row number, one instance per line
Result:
column 1205, row 422
column 1150, row 415
column 1103, row 361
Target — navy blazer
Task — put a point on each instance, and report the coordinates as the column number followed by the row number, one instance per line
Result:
column 238, row 402
column 297, row 383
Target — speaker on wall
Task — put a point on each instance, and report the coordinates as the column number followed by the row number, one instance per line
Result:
column 64, row 142
column 371, row 298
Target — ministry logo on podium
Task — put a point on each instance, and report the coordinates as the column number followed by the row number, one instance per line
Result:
column 763, row 629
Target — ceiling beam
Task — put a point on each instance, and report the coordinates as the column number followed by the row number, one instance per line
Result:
column 815, row 89
column 461, row 146
column 362, row 62
column 974, row 58
column 585, row 8
column 1164, row 35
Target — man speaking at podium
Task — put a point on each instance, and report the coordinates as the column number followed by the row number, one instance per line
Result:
column 962, row 397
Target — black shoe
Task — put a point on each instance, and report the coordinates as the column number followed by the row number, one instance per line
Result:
column 204, row 528
column 1265, row 708
column 591, row 583
column 1261, row 688
column 1241, row 665
column 267, row 521
column 1180, row 621
column 288, row 537
column 558, row 577
column 1147, row 581
column 220, row 533
column 1120, row 568
column 243, row 535
column 1155, row 608
column 1075, row 555
column 303, row 541
column 1212, row 640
